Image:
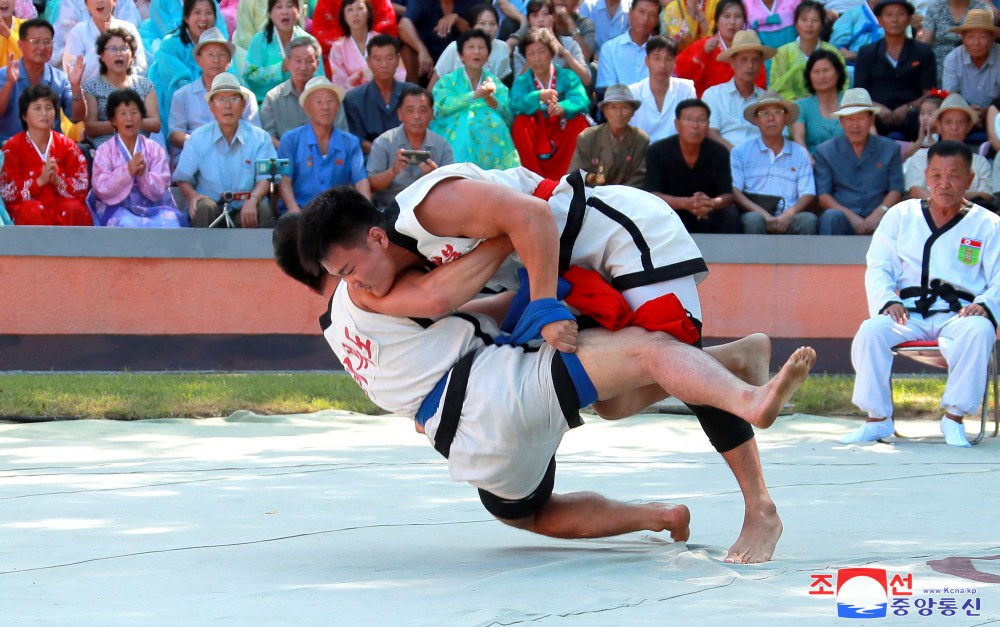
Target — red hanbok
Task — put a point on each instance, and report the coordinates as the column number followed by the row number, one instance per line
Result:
column 60, row 203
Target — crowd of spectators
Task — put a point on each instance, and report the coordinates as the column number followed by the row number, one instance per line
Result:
column 746, row 116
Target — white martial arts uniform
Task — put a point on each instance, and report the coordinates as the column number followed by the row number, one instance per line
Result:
column 633, row 238
column 913, row 262
column 512, row 420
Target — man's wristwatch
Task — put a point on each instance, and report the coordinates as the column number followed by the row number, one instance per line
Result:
column 884, row 208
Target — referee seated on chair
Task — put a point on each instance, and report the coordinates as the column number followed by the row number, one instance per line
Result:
column 933, row 274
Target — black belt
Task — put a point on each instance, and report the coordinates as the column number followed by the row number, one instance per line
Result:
column 927, row 296
column 454, row 398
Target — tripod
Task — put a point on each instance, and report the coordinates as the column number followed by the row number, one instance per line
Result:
column 224, row 202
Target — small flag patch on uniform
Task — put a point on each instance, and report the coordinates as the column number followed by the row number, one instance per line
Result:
column 968, row 251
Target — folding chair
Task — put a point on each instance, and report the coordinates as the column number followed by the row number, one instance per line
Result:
column 929, row 353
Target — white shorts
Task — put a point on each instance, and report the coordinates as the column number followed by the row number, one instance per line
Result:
column 513, row 419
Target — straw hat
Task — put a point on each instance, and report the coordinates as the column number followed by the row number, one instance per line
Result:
column 978, row 19
column 771, row 97
column 317, row 83
column 619, row 92
column 884, row 3
column 854, row 101
column 214, row 36
column 746, row 40
column 227, row 82
column 955, row 102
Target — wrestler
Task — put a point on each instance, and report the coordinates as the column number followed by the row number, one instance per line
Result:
column 761, row 524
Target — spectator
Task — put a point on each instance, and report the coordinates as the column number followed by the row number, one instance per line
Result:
column 569, row 23
column 80, row 40
column 700, row 61
column 610, row 19
column 569, row 55
column 328, row 27
column 190, row 109
column 44, row 179
column 993, row 125
column 660, row 92
column 389, row 170
column 435, row 25
column 728, row 100
column 473, row 108
column 5, row 219
column 371, row 108
column 222, row 157
column 897, row 86
column 953, row 119
column 613, row 153
column 70, row 13
column 926, row 136
column 826, row 78
column 771, row 168
column 511, row 16
column 484, row 18
column 320, row 156
column 941, row 18
column 170, row 18
column 691, row 173
column 174, row 65
column 115, row 50
column 131, row 181
column 913, row 249
column 9, row 25
column 787, row 76
column 856, row 27
column 973, row 69
column 858, row 174
column 685, row 22
column 549, row 106
column 281, row 111
column 35, row 40
column 773, row 20
column 622, row 57
column 251, row 18
column 266, row 68
column 347, row 58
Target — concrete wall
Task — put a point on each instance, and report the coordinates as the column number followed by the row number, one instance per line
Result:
column 92, row 298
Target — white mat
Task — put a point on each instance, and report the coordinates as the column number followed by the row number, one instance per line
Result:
column 338, row 519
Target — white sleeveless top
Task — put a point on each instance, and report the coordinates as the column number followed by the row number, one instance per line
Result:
column 397, row 361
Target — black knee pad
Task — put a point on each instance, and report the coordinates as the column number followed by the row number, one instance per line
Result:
column 725, row 431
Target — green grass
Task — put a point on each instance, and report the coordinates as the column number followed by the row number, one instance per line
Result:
column 132, row 396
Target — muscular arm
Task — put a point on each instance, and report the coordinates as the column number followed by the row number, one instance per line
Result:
column 477, row 209
column 444, row 289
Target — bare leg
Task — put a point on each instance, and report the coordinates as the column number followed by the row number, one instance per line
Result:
column 747, row 358
column 761, row 524
column 590, row 515
column 634, row 358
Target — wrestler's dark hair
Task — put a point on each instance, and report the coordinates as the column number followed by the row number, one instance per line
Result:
column 474, row 33
column 285, row 239
column 339, row 216
column 35, row 22
column 415, row 90
column 124, row 96
column 382, row 40
column 691, row 102
column 41, row 91
column 659, row 42
column 947, row 148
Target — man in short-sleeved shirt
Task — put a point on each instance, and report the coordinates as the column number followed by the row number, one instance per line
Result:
column 691, row 173
column 728, row 100
column 608, row 22
column 389, row 172
column 371, row 108
column 973, row 69
column 623, row 59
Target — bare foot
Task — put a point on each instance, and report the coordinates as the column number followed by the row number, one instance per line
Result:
column 671, row 517
column 759, row 536
column 753, row 367
column 772, row 396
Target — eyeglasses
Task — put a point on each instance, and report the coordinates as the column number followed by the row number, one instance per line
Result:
column 770, row 113
column 227, row 99
column 216, row 56
column 44, row 43
column 117, row 49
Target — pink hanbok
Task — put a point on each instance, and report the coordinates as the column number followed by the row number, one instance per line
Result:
column 349, row 64
column 120, row 199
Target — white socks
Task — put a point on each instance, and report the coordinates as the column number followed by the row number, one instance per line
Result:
column 870, row 432
column 954, row 432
